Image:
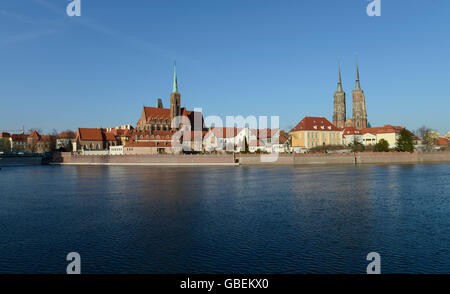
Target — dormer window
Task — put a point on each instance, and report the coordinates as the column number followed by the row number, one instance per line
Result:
column 315, row 127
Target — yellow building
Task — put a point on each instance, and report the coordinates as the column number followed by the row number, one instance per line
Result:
column 447, row 135
column 312, row 132
column 388, row 133
column 434, row 135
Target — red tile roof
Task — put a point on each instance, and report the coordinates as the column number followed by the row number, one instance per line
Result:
column 5, row 135
column 309, row 123
column 66, row 135
column 155, row 113
column 109, row 136
column 90, row 134
column 443, row 142
column 19, row 137
column 35, row 135
column 350, row 131
column 382, row 130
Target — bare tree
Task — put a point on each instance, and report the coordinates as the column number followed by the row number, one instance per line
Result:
column 30, row 131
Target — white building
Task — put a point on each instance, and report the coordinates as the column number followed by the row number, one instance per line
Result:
column 116, row 150
column 351, row 135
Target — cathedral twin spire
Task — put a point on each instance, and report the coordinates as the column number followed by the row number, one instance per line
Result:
column 359, row 118
column 357, row 82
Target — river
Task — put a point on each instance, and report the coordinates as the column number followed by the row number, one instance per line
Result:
column 315, row 219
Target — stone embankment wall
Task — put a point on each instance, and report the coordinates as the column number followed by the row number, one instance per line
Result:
column 68, row 158
column 351, row 158
column 253, row 159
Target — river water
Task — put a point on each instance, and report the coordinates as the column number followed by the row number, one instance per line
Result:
column 322, row 219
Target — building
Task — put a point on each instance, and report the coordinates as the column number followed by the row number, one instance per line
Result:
column 234, row 139
column 5, row 142
column 116, row 150
column 162, row 119
column 312, row 132
column 339, row 113
column 447, row 135
column 226, row 139
column 283, row 145
column 350, row 135
column 150, row 148
column 19, row 142
column 443, row 141
column 369, row 138
column 389, row 133
column 122, row 134
column 64, row 141
column 37, row 143
column 94, row 139
column 152, row 142
column 191, row 141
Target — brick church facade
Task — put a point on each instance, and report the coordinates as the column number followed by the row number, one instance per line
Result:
column 170, row 119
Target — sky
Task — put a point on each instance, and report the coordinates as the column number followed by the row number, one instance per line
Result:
column 234, row 57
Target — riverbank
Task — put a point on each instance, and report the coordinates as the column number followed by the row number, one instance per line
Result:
column 252, row 159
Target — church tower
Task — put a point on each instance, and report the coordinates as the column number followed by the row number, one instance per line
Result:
column 175, row 99
column 359, row 105
column 339, row 113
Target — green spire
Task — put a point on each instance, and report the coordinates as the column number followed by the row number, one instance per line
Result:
column 175, row 84
column 358, row 85
column 340, row 81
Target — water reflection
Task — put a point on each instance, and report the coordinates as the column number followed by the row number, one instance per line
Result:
column 225, row 219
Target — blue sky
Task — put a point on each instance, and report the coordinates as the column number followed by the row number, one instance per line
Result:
column 234, row 57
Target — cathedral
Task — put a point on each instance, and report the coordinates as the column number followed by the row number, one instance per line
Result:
column 359, row 118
